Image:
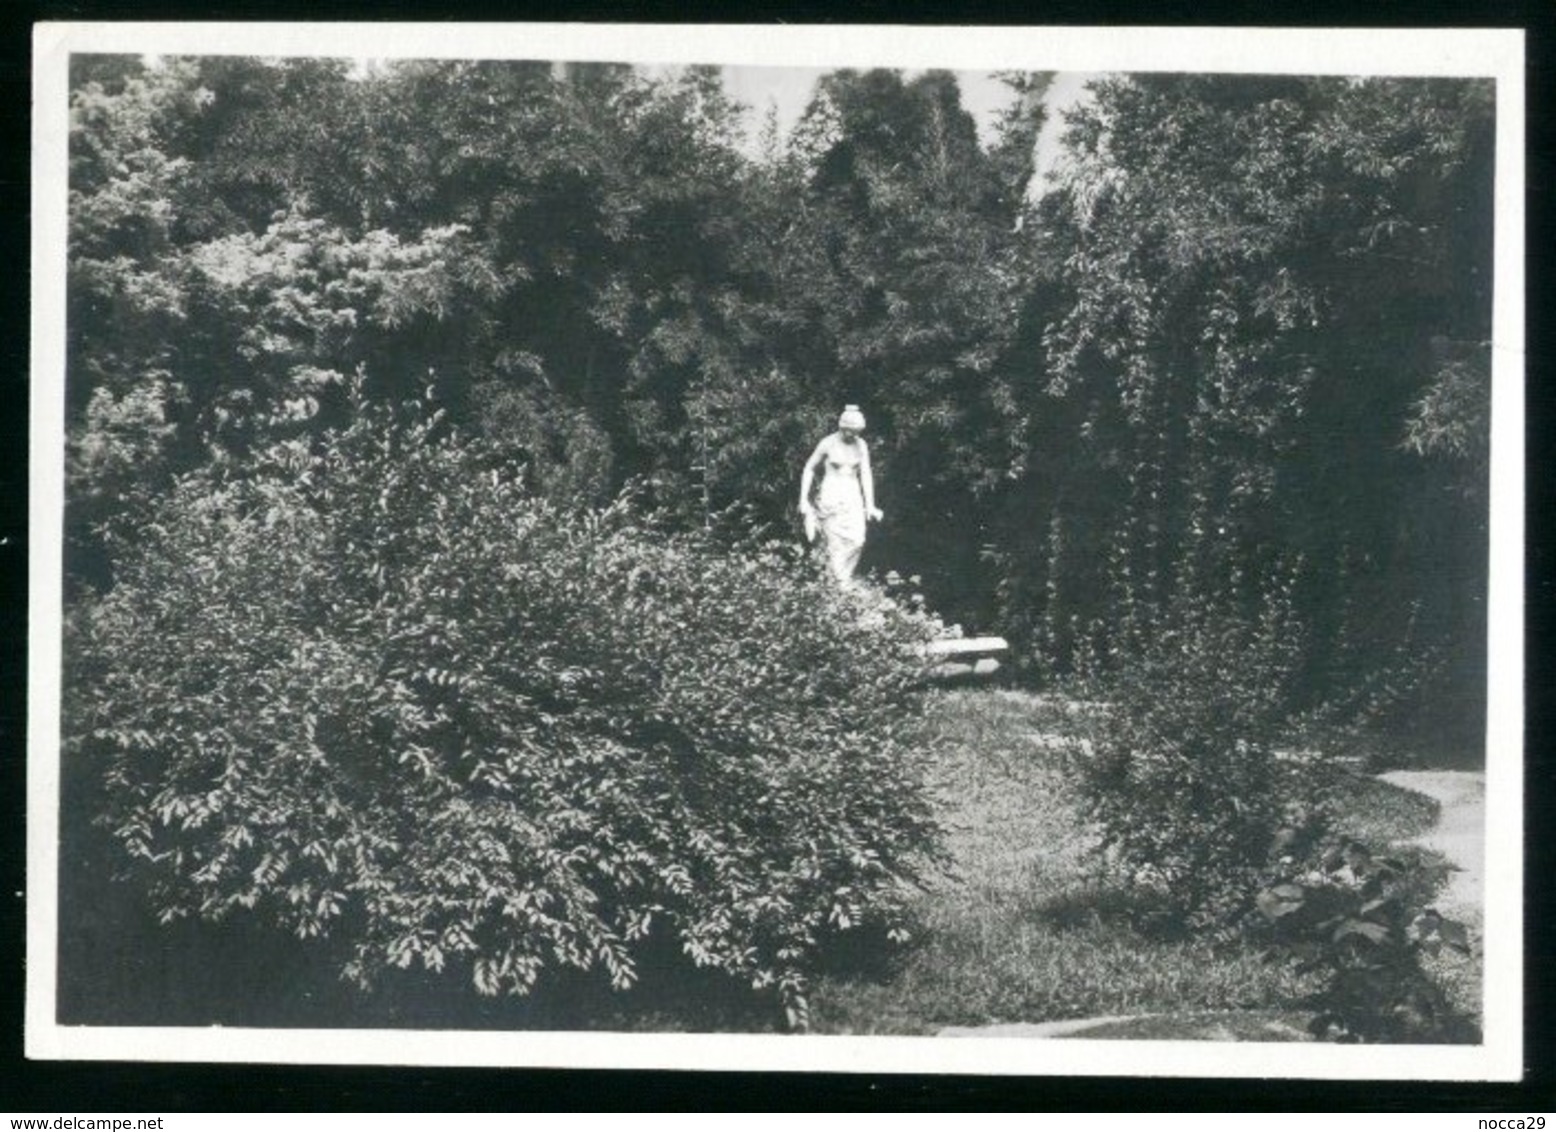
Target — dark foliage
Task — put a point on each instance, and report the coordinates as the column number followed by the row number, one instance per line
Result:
column 1366, row 922
column 1244, row 321
column 1262, row 301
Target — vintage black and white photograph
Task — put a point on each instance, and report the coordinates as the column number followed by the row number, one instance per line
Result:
column 608, row 548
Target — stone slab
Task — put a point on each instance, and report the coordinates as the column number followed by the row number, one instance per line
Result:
column 960, row 647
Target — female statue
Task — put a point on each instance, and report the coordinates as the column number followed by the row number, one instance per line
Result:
column 846, row 499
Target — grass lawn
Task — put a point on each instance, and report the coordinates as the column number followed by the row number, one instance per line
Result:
column 1025, row 930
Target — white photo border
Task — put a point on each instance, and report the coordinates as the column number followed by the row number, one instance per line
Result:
column 1491, row 53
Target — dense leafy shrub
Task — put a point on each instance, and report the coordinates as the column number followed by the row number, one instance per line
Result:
column 1365, row 922
column 1182, row 772
column 371, row 689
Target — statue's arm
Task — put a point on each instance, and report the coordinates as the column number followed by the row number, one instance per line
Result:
column 867, row 482
column 808, row 476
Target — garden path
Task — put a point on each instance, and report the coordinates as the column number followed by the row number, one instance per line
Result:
column 1459, row 834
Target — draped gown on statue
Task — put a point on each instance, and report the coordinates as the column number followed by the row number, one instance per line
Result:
column 840, row 509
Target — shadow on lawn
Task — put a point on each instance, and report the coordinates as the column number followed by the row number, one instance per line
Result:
column 1107, row 904
column 243, row 975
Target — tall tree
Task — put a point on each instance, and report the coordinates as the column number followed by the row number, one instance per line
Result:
column 1266, row 281
column 209, row 302
column 900, row 277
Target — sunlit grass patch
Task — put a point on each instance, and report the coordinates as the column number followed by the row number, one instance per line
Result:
column 1024, row 929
